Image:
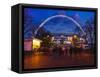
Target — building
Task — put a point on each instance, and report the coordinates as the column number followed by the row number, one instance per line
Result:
column 30, row 44
column 36, row 43
column 67, row 39
column 27, row 44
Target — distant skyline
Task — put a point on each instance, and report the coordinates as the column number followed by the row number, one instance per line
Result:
column 56, row 25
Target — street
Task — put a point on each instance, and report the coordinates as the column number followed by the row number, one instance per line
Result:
column 36, row 61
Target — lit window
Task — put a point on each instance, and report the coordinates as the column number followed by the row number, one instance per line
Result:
column 36, row 43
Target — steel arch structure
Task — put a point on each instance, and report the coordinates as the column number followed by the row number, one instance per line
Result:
column 63, row 16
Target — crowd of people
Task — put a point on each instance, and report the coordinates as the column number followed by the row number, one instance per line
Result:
column 59, row 50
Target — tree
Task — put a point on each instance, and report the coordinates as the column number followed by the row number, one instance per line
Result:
column 89, row 29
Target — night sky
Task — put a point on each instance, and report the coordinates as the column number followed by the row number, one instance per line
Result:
column 55, row 25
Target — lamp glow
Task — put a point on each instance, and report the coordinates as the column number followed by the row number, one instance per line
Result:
column 36, row 43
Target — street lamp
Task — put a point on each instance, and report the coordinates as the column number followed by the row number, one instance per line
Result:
column 75, row 36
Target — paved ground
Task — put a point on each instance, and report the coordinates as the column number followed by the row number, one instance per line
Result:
column 48, row 61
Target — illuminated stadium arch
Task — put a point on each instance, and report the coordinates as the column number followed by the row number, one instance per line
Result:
column 63, row 16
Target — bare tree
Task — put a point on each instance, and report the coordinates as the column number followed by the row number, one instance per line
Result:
column 89, row 29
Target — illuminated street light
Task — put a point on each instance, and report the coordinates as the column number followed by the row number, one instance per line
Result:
column 75, row 36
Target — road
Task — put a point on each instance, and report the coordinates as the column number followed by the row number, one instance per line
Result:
column 36, row 61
